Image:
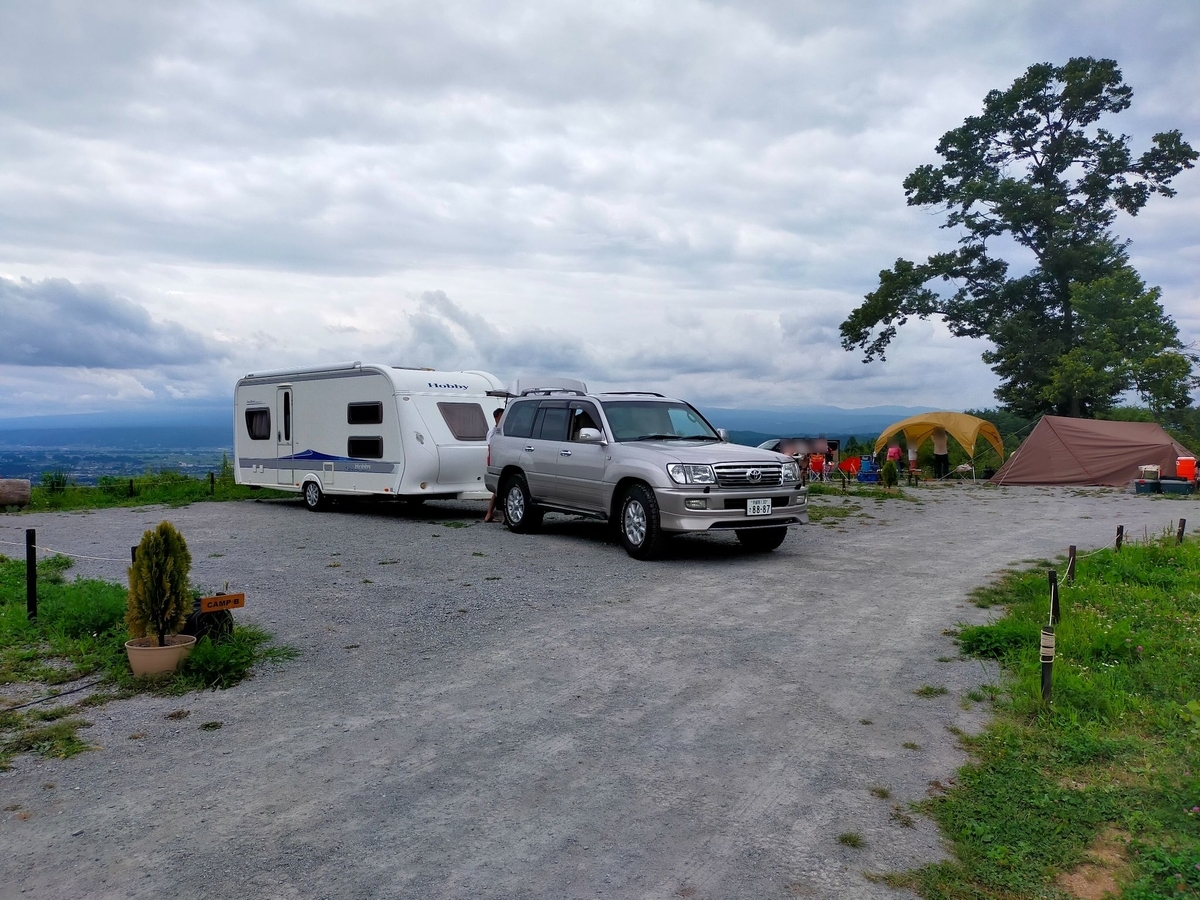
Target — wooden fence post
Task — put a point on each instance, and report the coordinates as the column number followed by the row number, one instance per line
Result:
column 1179, row 533
column 31, row 573
column 1071, row 564
column 1120, row 537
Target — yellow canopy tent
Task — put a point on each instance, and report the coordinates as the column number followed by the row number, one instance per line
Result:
column 963, row 428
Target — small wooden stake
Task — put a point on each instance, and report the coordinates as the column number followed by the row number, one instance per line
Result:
column 1120, row 537
column 212, row 483
column 1054, row 610
column 1071, row 564
column 1179, row 533
column 1047, row 662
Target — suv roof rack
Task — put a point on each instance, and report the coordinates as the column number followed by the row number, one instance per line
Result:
column 551, row 390
column 636, row 393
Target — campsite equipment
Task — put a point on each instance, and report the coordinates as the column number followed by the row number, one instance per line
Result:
column 1147, row 486
column 868, row 472
column 1185, row 467
column 963, row 428
column 1060, row 450
column 1177, row 486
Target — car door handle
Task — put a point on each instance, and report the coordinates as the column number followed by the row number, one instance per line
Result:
column 528, row 449
column 564, row 452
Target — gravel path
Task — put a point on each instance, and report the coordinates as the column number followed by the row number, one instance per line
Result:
column 481, row 714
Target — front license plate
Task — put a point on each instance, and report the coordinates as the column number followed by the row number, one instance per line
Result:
column 758, row 507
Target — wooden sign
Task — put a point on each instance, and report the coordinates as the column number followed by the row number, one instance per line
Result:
column 222, row 601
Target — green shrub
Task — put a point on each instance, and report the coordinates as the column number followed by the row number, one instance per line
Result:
column 160, row 597
column 999, row 639
column 890, row 474
column 56, row 481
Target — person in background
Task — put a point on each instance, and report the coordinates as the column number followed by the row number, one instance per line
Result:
column 912, row 456
column 941, row 454
column 491, row 514
column 893, row 453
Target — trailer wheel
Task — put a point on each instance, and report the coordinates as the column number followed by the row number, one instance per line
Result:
column 314, row 498
column 521, row 514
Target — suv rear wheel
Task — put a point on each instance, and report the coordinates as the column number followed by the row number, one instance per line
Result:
column 762, row 540
column 521, row 514
column 638, row 524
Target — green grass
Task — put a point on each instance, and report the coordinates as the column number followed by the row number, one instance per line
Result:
column 80, row 634
column 166, row 487
column 1117, row 751
column 928, row 691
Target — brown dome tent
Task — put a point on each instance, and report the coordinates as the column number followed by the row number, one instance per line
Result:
column 1089, row 451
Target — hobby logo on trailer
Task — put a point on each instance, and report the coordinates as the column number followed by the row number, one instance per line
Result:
column 448, row 387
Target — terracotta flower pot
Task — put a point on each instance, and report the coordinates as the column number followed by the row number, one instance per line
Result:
column 147, row 658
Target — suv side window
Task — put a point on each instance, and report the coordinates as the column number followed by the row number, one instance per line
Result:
column 519, row 421
column 583, row 415
column 552, row 422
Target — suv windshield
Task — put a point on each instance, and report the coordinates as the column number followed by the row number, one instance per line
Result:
column 641, row 420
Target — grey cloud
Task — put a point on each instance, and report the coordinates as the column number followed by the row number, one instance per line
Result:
column 57, row 323
column 443, row 334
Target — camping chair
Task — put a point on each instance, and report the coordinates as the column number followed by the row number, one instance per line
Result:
column 816, row 467
column 965, row 469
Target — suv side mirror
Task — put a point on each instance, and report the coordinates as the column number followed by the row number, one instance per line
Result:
column 590, row 436
column 723, row 434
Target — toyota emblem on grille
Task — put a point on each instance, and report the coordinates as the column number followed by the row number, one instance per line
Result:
column 754, row 475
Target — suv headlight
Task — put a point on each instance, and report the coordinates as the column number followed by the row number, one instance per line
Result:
column 683, row 473
column 790, row 472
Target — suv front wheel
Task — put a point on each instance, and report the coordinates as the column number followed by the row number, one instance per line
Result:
column 761, row 540
column 521, row 514
column 638, row 524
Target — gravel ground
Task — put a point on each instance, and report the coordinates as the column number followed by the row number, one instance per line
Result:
column 481, row 714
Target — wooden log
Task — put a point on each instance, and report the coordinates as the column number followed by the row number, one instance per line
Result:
column 14, row 492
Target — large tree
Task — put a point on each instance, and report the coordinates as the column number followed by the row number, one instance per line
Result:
column 1036, row 180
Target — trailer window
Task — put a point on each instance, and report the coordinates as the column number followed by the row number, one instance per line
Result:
column 519, row 420
column 258, row 423
column 364, row 413
column 365, row 448
column 465, row 420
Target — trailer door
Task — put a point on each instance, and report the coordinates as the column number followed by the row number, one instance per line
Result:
column 285, row 445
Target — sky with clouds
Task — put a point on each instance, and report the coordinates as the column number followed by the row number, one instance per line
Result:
column 681, row 196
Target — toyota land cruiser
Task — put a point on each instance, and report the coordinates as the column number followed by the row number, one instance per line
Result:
column 650, row 465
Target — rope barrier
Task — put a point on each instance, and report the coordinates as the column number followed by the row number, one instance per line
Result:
column 1079, row 556
column 74, row 690
column 49, row 550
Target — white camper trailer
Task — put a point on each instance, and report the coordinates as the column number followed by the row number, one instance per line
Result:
column 355, row 430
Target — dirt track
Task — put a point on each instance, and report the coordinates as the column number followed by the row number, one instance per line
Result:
column 580, row 725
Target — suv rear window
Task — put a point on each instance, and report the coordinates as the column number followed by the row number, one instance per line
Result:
column 554, row 423
column 519, row 421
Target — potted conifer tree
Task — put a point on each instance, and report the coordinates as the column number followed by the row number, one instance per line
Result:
column 159, row 601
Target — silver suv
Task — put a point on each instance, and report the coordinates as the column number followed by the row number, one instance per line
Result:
column 650, row 465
